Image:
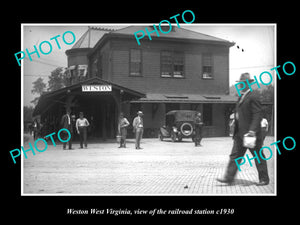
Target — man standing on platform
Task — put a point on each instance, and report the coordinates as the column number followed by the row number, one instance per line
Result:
column 247, row 119
column 138, row 128
column 81, row 126
column 198, row 129
column 122, row 129
column 67, row 123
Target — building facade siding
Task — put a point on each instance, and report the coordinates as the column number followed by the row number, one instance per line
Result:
column 151, row 81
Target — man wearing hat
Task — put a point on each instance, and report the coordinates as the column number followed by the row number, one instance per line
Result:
column 67, row 123
column 138, row 128
column 247, row 118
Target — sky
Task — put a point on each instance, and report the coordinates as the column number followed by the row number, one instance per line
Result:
column 254, row 51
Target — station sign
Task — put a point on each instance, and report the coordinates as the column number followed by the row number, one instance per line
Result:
column 96, row 88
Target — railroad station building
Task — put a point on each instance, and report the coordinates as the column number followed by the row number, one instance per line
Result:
column 109, row 73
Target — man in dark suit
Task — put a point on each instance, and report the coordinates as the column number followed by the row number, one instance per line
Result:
column 248, row 115
column 198, row 129
column 66, row 122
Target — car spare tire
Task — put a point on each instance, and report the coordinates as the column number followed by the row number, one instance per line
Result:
column 186, row 129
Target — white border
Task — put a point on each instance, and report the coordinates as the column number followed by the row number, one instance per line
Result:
column 141, row 24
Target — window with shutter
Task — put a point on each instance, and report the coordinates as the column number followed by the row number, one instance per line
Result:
column 172, row 64
column 207, row 66
column 135, row 62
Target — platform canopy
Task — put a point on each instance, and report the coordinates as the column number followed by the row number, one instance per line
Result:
column 91, row 86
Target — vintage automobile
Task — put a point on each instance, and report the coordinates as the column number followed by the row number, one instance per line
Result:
column 179, row 124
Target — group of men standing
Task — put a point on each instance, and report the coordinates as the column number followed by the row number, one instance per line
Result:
column 82, row 124
column 81, row 127
column 138, row 129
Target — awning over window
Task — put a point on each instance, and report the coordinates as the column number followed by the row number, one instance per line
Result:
column 185, row 98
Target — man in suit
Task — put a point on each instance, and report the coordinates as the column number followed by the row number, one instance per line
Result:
column 138, row 128
column 248, row 115
column 66, row 122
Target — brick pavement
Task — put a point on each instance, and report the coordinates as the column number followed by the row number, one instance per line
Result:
column 160, row 168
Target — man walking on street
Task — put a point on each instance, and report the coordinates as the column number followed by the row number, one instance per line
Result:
column 248, row 115
column 138, row 128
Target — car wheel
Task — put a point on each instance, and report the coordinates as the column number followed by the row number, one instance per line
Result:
column 186, row 129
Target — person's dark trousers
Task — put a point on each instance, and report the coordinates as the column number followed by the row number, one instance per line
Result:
column 198, row 135
column 36, row 134
column 238, row 150
column 263, row 134
column 65, row 137
column 123, row 134
column 123, row 142
column 83, row 136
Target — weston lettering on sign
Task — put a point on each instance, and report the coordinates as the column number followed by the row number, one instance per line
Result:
column 96, row 88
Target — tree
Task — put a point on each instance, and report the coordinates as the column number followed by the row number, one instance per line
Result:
column 57, row 79
column 38, row 88
column 27, row 117
column 267, row 94
column 27, row 113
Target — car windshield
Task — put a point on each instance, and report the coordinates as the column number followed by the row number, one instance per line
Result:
column 180, row 115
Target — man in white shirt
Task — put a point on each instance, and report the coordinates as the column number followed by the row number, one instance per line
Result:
column 81, row 127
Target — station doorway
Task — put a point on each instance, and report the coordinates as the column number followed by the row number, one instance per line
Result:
column 102, row 112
